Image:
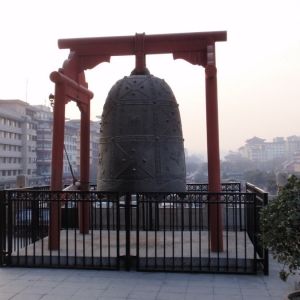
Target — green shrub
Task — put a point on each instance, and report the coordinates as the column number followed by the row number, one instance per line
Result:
column 279, row 222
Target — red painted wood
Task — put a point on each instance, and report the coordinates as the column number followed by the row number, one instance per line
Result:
column 213, row 157
column 85, row 53
column 57, row 164
column 84, row 166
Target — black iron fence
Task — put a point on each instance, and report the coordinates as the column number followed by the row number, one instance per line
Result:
column 143, row 231
column 261, row 199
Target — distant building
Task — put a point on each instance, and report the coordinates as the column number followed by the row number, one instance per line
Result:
column 292, row 146
column 233, row 156
column 256, row 149
column 17, row 143
column 26, row 145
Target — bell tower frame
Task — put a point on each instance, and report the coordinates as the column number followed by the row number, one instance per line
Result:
column 86, row 53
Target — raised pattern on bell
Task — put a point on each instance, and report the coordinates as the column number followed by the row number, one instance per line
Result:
column 141, row 144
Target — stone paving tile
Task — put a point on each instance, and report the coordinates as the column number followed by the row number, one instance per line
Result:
column 178, row 276
column 6, row 296
column 95, row 286
column 121, row 287
column 55, row 297
column 57, row 278
column 77, row 279
column 18, row 283
column 30, row 277
column 12, row 288
column 144, row 287
column 70, row 285
column 104, row 280
column 44, row 283
column 199, row 297
column 145, row 295
column 279, row 293
column 87, row 293
column 227, row 291
column 4, row 281
column 254, row 297
column 252, row 285
column 255, row 292
column 201, row 283
column 27, row 297
column 61, row 291
column 156, row 275
column 39, row 290
column 170, row 296
column 228, row 297
column 200, row 290
column 90, row 297
column 114, row 294
column 166, row 288
column 201, row 277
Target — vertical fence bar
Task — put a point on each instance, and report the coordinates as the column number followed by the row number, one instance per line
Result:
column 117, row 199
column 138, row 230
column 127, row 230
column 2, row 227
column 255, row 226
column 266, row 251
column 9, row 229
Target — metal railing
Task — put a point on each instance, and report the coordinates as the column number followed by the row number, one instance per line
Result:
column 145, row 231
column 261, row 199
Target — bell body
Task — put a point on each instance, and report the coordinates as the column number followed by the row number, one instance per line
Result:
column 141, row 144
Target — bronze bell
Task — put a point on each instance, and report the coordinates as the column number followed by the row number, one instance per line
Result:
column 141, row 145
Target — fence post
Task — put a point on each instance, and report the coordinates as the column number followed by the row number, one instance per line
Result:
column 266, row 251
column 127, row 230
column 2, row 227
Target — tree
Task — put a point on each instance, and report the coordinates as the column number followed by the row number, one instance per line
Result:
column 279, row 223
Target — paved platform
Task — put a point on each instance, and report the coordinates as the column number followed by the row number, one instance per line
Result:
column 190, row 249
column 50, row 284
column 236, row 244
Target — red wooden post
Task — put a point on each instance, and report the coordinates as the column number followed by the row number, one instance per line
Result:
column 57, row 164
column 84, row 166
column 213, row 153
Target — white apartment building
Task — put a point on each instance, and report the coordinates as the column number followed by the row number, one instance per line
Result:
column 17, row 143
column 257, row 149
column 26, row 144
column 292, row 146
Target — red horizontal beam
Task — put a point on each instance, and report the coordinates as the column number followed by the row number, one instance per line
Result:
column 153, row 44
column 74, row 90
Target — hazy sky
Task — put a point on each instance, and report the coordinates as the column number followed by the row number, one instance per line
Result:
column 258, row 66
